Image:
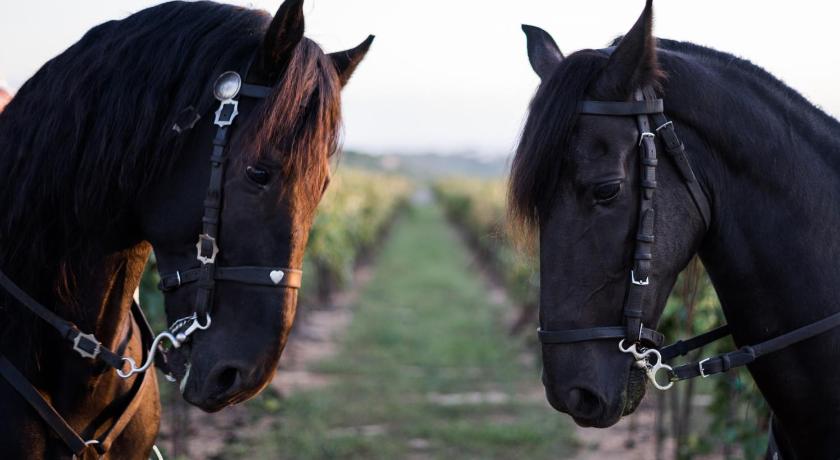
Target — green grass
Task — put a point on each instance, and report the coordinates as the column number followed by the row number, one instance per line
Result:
column 423, row 326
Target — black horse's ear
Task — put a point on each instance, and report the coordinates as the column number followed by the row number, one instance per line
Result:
column 633, row 63
column 283, row 35
column 543, row 51
column 346, row 61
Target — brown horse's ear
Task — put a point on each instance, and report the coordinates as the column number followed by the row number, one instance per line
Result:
column 283, row 35
column 543, row 51
column 346, row 61
column 633, row 63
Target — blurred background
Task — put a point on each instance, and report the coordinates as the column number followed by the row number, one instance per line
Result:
column 415, row 336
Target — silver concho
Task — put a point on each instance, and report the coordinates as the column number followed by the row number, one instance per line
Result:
column 227, row 86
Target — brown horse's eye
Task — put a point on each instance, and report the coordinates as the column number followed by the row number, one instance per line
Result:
column 258, row 175
column 606, row 192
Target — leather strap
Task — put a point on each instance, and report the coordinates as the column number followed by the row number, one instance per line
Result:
column 682, row 347
column 85, row 344
column 71, row 439
column 254, row 91
column 621, row 109
column 648, row 336
column 676, row 149
column 74, row 442
column 639, row 282
column 260, row 276
column 748, row 354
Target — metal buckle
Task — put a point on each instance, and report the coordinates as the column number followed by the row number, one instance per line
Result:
column 644, row 135
column 201, row 258
column 664, row 125
column 86, row 354
column 643, row 282
column 228, row 109
column 178, row 275
column 703, row 371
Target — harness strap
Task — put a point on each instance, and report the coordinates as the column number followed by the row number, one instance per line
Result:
column 682, row 347
column 58, row 424
column 71, row 439
column 259, row 276
column 648, row 337
column 85, row 344
column 748, row 354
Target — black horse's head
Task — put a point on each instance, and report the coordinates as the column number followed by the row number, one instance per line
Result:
column 276, row 171
column 575, row 180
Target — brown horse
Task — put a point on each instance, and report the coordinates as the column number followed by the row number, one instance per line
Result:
column 95, row 178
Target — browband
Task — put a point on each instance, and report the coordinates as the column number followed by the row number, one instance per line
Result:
column 645, row 107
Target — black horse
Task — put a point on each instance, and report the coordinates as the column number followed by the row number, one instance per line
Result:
column 768, row 165
column 105, row 156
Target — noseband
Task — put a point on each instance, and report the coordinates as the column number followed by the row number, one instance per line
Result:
column 227, row 88
column 634, row 338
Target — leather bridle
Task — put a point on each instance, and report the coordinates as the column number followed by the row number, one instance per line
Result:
column 644, row 343
column 227, row 88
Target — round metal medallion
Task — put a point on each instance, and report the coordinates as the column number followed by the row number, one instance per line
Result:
column 227, row 86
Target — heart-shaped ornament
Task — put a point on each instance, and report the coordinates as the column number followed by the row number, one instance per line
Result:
column 276, row 276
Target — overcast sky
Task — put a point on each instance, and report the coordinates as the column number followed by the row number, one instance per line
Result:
column 453, row 75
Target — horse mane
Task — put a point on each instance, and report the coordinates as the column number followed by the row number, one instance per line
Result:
column 535, row 169
column 88, row 135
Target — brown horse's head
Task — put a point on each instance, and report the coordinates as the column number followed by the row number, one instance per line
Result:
column 277, row 170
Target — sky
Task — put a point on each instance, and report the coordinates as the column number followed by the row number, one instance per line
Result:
column 452, row 76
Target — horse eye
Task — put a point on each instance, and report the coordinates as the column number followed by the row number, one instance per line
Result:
column 606, row 192
column 258, row 175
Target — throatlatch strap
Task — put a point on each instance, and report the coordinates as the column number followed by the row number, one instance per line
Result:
column 676, row 149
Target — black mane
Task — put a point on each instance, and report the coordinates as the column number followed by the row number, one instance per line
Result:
column 536, row 167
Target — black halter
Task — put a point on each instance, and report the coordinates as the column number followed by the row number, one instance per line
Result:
column 646, row 108
column 227, row 88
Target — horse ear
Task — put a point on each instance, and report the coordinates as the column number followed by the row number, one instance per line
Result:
column 283, row 35
column 543, row 51
column 633, row 63
column 345, row 62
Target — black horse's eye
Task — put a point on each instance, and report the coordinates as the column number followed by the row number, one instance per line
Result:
column 606, row 192
column 258, row 175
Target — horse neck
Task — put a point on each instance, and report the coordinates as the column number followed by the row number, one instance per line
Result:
column 101, row 305
column 770, row 163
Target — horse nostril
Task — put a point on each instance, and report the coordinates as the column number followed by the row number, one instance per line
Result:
column 583, row 403
column 225, row 380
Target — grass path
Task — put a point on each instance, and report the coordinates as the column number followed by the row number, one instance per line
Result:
column 424, row 370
